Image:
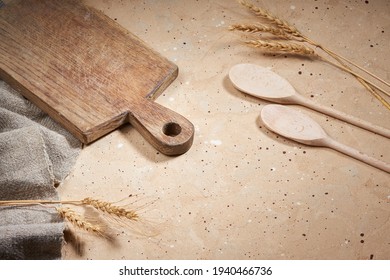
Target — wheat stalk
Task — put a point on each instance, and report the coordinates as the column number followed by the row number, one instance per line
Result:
column 339, row 58
column 366, row 83
column 75, row 219
column 285, row 27
column 275, row 46
column 27, row 202
column 104, row 206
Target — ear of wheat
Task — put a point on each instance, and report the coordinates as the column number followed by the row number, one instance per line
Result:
column 79, row 221
column 275, row 46
column 284, row 30
column 111, row 209
column 258, row 27
column 262, row 13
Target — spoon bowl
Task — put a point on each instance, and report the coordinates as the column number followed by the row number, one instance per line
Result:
column 292, row 124
column 261, row 82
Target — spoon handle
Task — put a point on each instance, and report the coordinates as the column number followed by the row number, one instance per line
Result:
column 342, row 116
column 331, row 143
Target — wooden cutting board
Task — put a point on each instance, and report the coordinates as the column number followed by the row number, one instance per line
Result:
column 88, row 73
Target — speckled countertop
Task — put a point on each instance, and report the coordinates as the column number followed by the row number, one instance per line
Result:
column 242, row 192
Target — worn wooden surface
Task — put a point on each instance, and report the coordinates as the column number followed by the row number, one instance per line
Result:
column 88, row 73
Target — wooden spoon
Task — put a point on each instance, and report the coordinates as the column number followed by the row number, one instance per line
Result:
column 299, row 127
column 265, row 84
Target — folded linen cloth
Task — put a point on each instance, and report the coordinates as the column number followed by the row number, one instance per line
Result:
column 36, row 154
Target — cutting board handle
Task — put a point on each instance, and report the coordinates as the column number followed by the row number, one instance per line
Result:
column 169, row 132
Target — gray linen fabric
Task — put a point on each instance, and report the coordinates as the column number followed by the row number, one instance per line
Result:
column 36, row 154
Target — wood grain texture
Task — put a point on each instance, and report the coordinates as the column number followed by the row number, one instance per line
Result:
column 88, row 73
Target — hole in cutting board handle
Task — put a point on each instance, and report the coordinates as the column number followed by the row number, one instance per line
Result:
column 169, row 132
column 172, row 129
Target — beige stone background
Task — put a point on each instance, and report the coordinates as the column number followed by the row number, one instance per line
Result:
column 242, row 192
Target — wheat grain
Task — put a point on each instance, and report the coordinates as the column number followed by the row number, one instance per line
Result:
column 275, row 46
column 110, row 209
